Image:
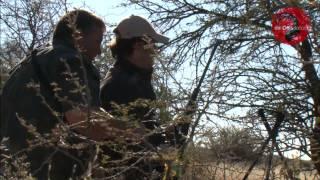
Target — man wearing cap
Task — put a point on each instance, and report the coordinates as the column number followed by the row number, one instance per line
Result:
column 128, row 83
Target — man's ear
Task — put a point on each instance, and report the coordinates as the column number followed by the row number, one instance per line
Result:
column 77, row 36
column 78, row 40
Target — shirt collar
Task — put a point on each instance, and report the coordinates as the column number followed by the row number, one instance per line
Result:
column 64, row 42
column 70, row 45
column 125, row 64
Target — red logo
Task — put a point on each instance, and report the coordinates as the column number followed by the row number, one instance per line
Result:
column 290, row 25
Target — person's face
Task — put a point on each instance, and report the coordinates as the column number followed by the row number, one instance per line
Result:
column 143, row 54
column 90, row 43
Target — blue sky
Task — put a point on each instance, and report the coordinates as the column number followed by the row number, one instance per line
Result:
column 108, row 9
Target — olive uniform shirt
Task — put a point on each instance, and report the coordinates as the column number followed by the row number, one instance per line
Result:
column 124, row 84
column 74, row 81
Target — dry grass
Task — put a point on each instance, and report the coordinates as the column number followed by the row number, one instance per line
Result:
column 235, row 171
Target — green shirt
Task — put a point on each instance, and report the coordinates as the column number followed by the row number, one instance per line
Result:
column 74, row 83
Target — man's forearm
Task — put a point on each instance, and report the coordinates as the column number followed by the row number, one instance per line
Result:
column 102, row 126
column 78, row 121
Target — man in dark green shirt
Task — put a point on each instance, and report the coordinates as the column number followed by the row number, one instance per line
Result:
column 57, row 85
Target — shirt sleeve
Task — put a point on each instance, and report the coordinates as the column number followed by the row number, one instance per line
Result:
column 111, row 92
column 70, row 83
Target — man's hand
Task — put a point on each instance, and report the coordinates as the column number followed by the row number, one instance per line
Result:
column 100, row 125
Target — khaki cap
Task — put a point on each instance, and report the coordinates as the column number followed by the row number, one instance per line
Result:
column 136, row 26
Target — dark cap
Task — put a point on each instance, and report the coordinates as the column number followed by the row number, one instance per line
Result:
column 136, row 26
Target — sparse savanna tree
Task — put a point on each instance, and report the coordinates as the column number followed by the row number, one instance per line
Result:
column 26, row 25
column 251, row 73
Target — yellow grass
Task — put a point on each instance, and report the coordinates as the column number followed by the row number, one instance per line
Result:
column 235, row 171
